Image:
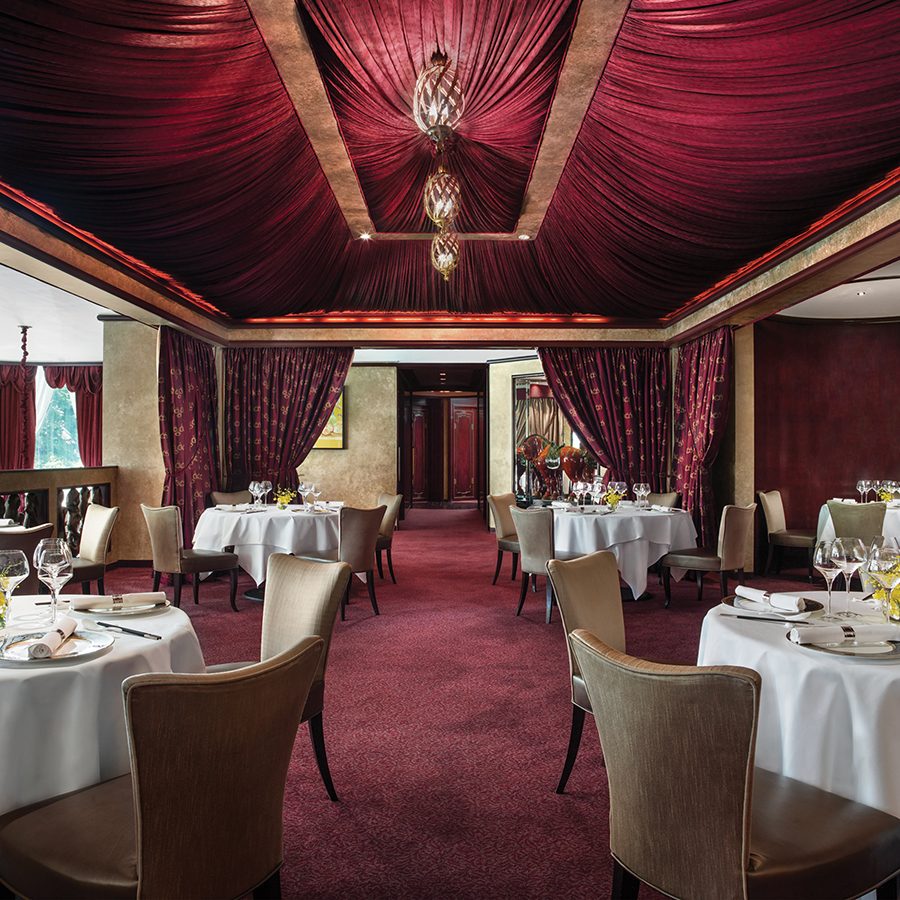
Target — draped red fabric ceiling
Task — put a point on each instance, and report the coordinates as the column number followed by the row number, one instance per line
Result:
column 718, row 130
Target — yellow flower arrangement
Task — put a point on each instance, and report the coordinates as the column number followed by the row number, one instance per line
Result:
column 881, row 595
column 885, row 495
column 613, row 498
column 283, row 496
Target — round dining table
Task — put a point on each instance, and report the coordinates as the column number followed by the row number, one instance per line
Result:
column 637, row 537
column 62, row 723
column 256, row 532
column 828, row 720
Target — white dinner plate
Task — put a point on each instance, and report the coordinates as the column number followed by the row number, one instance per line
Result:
column 882, row 651
column 83, row 644
column 751, row 608
column 145, row 609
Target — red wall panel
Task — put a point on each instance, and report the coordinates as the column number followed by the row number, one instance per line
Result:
column 826, row 407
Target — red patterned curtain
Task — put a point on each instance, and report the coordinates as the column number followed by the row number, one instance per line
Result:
column 188, row 411
column 86, row 382
column 617, row 399
column 702, row 398
column 16, row 432
column 277, row 401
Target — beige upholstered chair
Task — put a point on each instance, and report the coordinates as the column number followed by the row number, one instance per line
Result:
column 230, row 498
column 734, row 533
column 669, row 498
column 692, row 817
column 96, row 530
column 392, row 502
column 302, row 600
column 859, row 520
column 535, row 530
column 587, row 593
column 359, row 535
column 780, row 536
column 505, row 529
column 170, row 557
column 26, row 540
column 210, row 826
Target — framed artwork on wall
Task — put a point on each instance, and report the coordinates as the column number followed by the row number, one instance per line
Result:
column 333, row 436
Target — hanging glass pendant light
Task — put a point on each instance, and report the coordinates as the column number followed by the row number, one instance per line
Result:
column 438, row 99
column 445, row 252
column 442, row 197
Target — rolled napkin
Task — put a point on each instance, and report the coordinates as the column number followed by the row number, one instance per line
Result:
column 783, row 602
column 118, row 601
column 659, row 508
column 839, row 634
column 61, row 631
column 5, row 523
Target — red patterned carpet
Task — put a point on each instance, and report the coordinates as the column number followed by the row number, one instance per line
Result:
column 447, row 720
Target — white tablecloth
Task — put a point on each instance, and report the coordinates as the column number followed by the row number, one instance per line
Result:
column 828, row 721
column 62, row 725
column 638, row 538
column 825, row 527
column 255, row 536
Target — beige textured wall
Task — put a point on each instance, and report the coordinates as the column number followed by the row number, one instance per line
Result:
column 368, row 465
column 131, row 429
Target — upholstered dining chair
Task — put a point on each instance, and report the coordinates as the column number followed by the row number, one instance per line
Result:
column 780, row 536
column 535, row 530
column 728, row 556
column 356, row 547
column 672, row 499
column 302, row 600
column 210, row 826
column 859, row 520
column 171, row 558
column 230, row 498
column 26, row 540
column 691, row 816
column 588, row 596
column 505, row 529
column 385, row 541
column 96, row 530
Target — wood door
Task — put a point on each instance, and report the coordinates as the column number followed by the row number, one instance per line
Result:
column 419, row 453
column 463, row 449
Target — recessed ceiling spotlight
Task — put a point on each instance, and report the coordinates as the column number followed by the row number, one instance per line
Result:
column 524, row 237
column 860, row 293
column 365, row 236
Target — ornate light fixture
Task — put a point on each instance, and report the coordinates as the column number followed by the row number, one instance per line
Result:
column 442, row 196
column 438, row 99
column 445, row 252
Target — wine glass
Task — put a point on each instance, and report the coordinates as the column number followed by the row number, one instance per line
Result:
column 311, row 494
column 317, row 492
column 861, row 487
column 884, row 570
column 13, row 571
column 826, row 565
column 254, row 490
column 597, row 492
column 849, row 553
column 266, row 490
column 53, row 561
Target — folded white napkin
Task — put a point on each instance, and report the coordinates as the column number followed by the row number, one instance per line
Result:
column 233, row 507
column 838, row 634
column 561, row 504
column 48, row 645
column 659, row 508
column 118, row 601
column 782, row 602
column 842, row 500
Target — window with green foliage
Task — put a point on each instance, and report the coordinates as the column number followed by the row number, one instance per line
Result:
column 56, row 443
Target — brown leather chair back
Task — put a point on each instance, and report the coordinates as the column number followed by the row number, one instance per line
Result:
column 504, row 526
column 166, row 536
column 359, row 534
column 96, row 531
column 392, row 502
column 211, row 825
column 670, row 498
column 679, row 746
column 734, row 535
column 859, row 520
column 26, row 540
column 588, row 595
column 773, row 510
column 230, row 498
column 535, row 530
column 302, row 600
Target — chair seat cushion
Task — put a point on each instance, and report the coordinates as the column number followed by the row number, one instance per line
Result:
column 793, row 537
column 580, row 694
column 87, row 569
column 806, row 842
column 383, row 543
column 77, row 845
column 508, row 544
column 207, row 561
column 697, row 559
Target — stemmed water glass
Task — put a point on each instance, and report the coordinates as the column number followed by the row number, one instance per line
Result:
column 597, row 492
column 863, row 488
column 850, row 554
column 641, row 490
column 316, row 492
column 53, row 561
column 254, row 492
column 884, row 570
column 826, row 565
column 265, row 488
column 13, row 571
column 311, row 492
